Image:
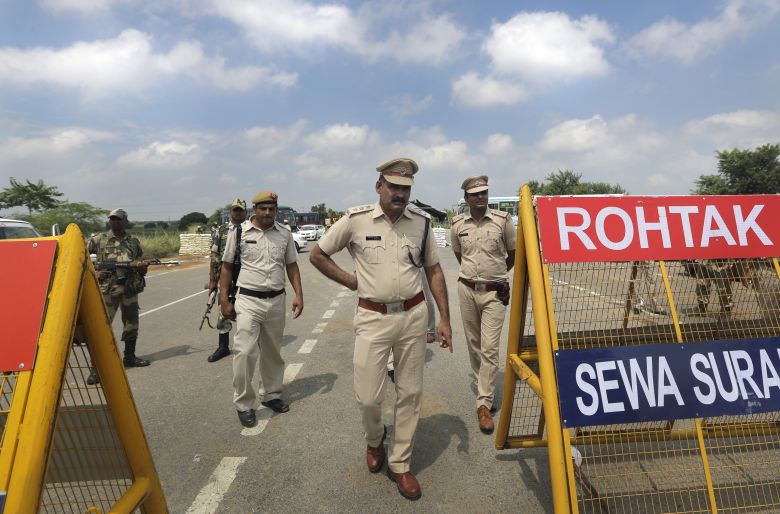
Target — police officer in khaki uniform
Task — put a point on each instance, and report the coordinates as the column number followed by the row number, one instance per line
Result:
column 483, row 240
column 388, row 243
column 266, row 250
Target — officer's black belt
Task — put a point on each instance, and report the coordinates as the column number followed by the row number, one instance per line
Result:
column 259, row 294
column 389, row 308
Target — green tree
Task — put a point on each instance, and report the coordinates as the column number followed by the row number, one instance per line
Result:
column 87, row 217
column 35, row 196
column 744, row 172
column 216, row 216
column 567, row 182
column 193, row 218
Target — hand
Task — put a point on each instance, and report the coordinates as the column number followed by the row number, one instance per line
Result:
column 103, row 274
column 227, row 310
column 445, row 335
column 297, row 306
column 352, row 282
column 212, row 285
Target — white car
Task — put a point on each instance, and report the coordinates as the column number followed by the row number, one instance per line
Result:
column 300, row 241
column 311, row 232
column 15, row 229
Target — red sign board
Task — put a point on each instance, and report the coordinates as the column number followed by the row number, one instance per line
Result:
column 644, row 228
column 25, row 272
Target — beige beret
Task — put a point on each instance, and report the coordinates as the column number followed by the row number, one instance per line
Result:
column 398, row 171
column 265, row 197
column 475, row 184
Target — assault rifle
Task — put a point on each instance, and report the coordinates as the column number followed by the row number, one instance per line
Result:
column 110, row 266
column 209, row 305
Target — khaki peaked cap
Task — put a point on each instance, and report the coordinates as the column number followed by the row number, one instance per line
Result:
column 475, row 184
column 265, row 197
column 399, row 171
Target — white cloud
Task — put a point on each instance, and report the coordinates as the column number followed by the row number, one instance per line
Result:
column 336, row 138
column 227, row 179
column 57, row 143
column 546, row 46
column 405, row 105
column 737, row 128
column 81, row 6
column 267, row 142
column 127, row 63
column 432, row 41
column 678, row 41
column 497, row 144
column 576, row 135
column 163, row 155
column 471, row 90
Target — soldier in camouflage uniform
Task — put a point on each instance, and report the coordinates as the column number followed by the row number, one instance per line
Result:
column 218, row 237
column 719, row 271
column 120, row 286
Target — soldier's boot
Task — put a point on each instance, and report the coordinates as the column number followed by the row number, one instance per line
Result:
column 223, row 350
column 130, row 360
column 93, row 377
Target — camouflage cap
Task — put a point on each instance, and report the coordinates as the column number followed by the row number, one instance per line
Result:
column 118, row 213
column 238, row 203
column 475, row 184
column 399, row 171
column 265, row 197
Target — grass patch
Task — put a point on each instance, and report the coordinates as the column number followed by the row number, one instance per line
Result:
column 159, row 245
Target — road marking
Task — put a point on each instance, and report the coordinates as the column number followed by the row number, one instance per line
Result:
column 334, row 303
column 209, row 498
column 588, row 291
column 319, row 328
column 172, row 303
column 328, row 314
column 307, row 346
column 290, row 372
column 255, row 430
column 158, row 274
column 343, row 294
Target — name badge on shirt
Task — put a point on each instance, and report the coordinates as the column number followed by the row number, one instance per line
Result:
column 250, row 242
column 464, row 234
column 373, row 238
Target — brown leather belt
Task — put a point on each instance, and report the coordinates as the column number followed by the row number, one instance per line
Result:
column 385, row 308
column 490, row 286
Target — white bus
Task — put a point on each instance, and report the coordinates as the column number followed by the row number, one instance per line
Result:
column 510, row 204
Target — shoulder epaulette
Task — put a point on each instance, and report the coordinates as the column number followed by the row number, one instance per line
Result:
column 502, row 214
column 359, row 209
column 413, row 208
column 458, row 218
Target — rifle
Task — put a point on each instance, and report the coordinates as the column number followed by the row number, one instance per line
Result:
column 110, row 266
column 209, row 305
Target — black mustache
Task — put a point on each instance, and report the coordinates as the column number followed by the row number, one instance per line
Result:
column 400, row 200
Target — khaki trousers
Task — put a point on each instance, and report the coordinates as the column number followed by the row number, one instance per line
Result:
column 483, row 319
column 259, row 331
column 376, row 335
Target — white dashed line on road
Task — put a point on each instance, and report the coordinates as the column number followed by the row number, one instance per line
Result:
column 343, row 294
column 588, row 291
column 255, row 430
column 319, row 328
column 334, row 303
column 291, row 371
column 328, row 314
column 307, row 346
column 172, row 303
column 209, row 498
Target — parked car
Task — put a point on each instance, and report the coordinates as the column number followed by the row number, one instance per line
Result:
column 15, row 229
column 312, row 232
column 300, row 241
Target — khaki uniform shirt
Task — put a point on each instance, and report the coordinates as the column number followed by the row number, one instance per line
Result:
column 381, row 249
column 483, row 245
column 264, row 255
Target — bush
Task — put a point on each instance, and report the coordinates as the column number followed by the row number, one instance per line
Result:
column 159, row 246
column 151, row 224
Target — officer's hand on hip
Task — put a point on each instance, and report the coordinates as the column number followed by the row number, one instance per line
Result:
column 445, row 335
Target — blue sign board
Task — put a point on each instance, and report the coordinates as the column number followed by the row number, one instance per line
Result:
column 655, row 382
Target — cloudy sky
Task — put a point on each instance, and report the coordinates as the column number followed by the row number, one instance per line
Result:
column 168, row 107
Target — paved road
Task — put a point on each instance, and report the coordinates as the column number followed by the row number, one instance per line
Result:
column 311, row 459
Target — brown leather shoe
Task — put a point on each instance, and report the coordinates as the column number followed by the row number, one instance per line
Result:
column 375, row 457
column 408, row 486
column 485, row 420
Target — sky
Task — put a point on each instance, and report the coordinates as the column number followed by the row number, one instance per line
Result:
column 169, row 107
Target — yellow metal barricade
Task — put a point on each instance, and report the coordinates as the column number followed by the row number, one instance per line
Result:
column 724, row 464
column 68, row 446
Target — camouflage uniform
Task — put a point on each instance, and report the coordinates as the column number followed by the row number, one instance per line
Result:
column 120, row 289
column 219, row 236
column 719, row 271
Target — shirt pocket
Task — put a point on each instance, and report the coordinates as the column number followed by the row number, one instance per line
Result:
column 277, row 252
column 372, row 251
column 410, row 247
column 467, row 240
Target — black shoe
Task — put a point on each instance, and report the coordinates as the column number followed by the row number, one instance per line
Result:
column 222, row 351
column 135, row 362
column 93, row 377
column 391, row 374
column 247, row 418
column 277, row 405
